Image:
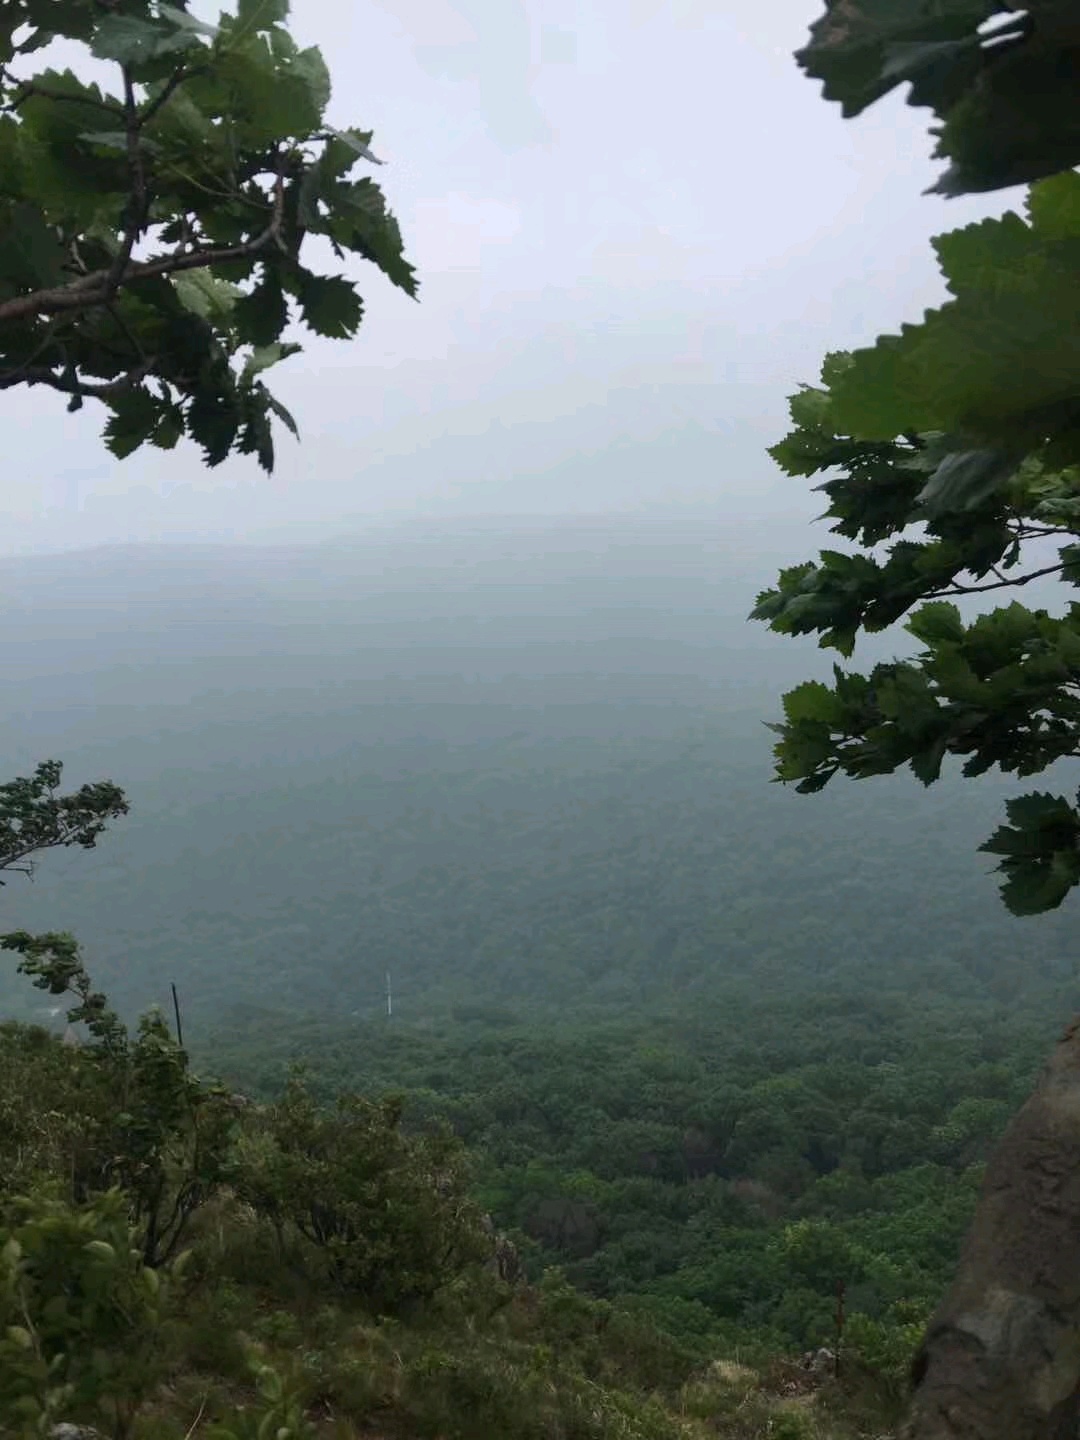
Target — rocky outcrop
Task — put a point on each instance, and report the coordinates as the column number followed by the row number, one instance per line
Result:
column 1001, row 1357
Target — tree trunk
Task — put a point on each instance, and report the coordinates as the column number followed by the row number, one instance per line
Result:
column 1001, row 1357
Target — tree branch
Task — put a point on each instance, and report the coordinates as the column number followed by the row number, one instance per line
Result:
column 1001, row 584
column 171, row 86
column 90, row 291
column 42, row 375
column 138, row 202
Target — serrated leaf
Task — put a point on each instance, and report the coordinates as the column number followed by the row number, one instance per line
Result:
column 269, row 97
column 926, row 763
column 213, row 422
column 135, row 414
column 1007, row 110
column 329, row 304
column 1053, row 206
column 261, row 315
column 812, row 701
column 992, row 365
column 936, row 623
column 207, row 296
column 361, row 222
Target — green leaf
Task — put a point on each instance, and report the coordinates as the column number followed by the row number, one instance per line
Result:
column 268, row 97
column 31, row 255
column 358, row 141
column 1040, row 851
column 812, row 701
column 134, row 41
column 936, row 623
column 261, row 315
column 182, row 20
column 329, row 304
column 994, row 365
column 254, row 15
column 213, row 422
column 1008, row 109
column 966, row 479
column 264, row 356
column 283, row 415
column 135, row 414
column 361, row 222
column 206, row 295
column 1053, row 206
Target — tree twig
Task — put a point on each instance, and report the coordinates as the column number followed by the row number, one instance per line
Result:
column 175, row 80
column 138, row 202
column 1001, row 584
column 42, row 375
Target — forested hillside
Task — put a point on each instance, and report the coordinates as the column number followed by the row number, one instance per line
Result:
column 713, row 1050
column 505, row 765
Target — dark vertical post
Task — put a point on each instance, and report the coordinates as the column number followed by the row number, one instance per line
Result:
column 176, row 1012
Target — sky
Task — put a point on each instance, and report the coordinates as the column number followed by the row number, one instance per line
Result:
column 638, row 228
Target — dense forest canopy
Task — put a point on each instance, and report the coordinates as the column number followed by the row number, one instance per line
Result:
column 506, row 765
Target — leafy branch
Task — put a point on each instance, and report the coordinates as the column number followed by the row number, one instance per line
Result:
column 216, row 158
column 35, row 816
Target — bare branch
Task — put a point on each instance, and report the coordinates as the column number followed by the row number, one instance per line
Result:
column 1001, row 584
column 42, row 375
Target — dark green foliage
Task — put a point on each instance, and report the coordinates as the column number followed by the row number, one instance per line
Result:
column 999, row 690
column 34, row 816
column 723, row 1169
column 956, row 442
column 150, row 233
column 134, row 1115
column 1000, row 81
column 386, row 1216
column 79, row 1316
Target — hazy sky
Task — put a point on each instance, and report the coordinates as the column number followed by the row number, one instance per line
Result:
column 637, row 227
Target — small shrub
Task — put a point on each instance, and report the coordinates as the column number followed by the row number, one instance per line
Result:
column 80, row 1316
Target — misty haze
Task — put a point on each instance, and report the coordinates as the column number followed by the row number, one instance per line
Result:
column 424, row 1012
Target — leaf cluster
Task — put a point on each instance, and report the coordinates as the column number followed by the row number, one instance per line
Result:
column 35, row 816
column 385, row 1214
column 952, row 457
column 142, row 1120
column 154, row 236
column 1000, row 79
column 79, row 1315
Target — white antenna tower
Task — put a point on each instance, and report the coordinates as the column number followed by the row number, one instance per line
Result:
column 389, row 996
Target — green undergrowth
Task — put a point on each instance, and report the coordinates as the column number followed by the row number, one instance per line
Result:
column 177, row 1263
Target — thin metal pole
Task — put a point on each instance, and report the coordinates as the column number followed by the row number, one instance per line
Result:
column 176, row 1012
